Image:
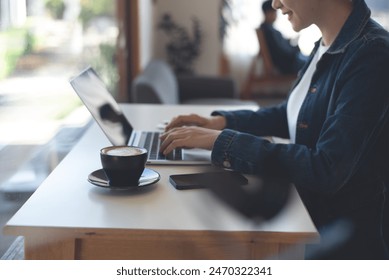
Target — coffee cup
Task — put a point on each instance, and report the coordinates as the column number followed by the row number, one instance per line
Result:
column 123, row 165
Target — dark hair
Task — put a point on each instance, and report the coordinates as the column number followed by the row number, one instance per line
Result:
column 266, row 6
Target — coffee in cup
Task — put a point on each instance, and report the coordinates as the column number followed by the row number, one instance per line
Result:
column 123, row 165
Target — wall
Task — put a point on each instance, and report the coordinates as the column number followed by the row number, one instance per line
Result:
column 153, row 40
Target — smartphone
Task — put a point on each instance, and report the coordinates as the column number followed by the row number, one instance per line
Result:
column 206, row 179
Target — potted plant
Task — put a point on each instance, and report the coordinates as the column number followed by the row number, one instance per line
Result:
column 182, row 49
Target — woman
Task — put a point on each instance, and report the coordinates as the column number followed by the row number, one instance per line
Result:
column 335, row 117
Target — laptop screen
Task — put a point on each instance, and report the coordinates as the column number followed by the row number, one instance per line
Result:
column 103, row 107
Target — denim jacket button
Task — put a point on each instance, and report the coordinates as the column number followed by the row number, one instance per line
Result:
column 226, row 164
column 313, row 90
column 302, row 126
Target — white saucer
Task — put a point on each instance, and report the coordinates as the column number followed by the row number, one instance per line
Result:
column 98, row 178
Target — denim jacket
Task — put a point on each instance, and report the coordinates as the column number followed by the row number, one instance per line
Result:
column 341, row 151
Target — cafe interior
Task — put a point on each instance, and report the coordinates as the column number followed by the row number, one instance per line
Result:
column 168, row 56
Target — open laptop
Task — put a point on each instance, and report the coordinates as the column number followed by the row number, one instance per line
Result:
column 109, row 116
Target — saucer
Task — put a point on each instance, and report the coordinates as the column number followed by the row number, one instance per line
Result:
column 98, row 178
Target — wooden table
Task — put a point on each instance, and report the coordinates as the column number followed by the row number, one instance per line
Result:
column 69, row 218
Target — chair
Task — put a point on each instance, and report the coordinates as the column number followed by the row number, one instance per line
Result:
column 158, row 84
column 270, row 83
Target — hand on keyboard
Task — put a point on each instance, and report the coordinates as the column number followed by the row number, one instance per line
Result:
column 173, row 155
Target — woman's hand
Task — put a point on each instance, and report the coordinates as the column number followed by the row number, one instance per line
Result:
column 188, row 137
column 216, row 122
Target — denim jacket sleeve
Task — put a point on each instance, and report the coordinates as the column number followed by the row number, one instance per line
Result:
column 264, row 122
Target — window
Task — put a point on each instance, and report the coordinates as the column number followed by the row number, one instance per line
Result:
column 42, row 44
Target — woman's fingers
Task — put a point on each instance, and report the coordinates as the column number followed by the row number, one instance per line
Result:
column 214, row 122
column 188, row 137
column 186, row 120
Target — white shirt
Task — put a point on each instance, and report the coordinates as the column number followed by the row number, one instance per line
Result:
column 299, row 93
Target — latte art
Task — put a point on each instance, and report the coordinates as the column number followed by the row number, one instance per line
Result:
column 123, row 151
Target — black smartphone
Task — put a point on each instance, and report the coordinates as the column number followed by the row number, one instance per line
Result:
column 206, row 179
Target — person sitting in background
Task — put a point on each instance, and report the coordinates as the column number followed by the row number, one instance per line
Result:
column 287, row 58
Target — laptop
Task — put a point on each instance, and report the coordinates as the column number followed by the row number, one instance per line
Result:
column 109, row 116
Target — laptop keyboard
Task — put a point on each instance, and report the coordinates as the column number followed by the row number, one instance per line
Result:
column 152, row 143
